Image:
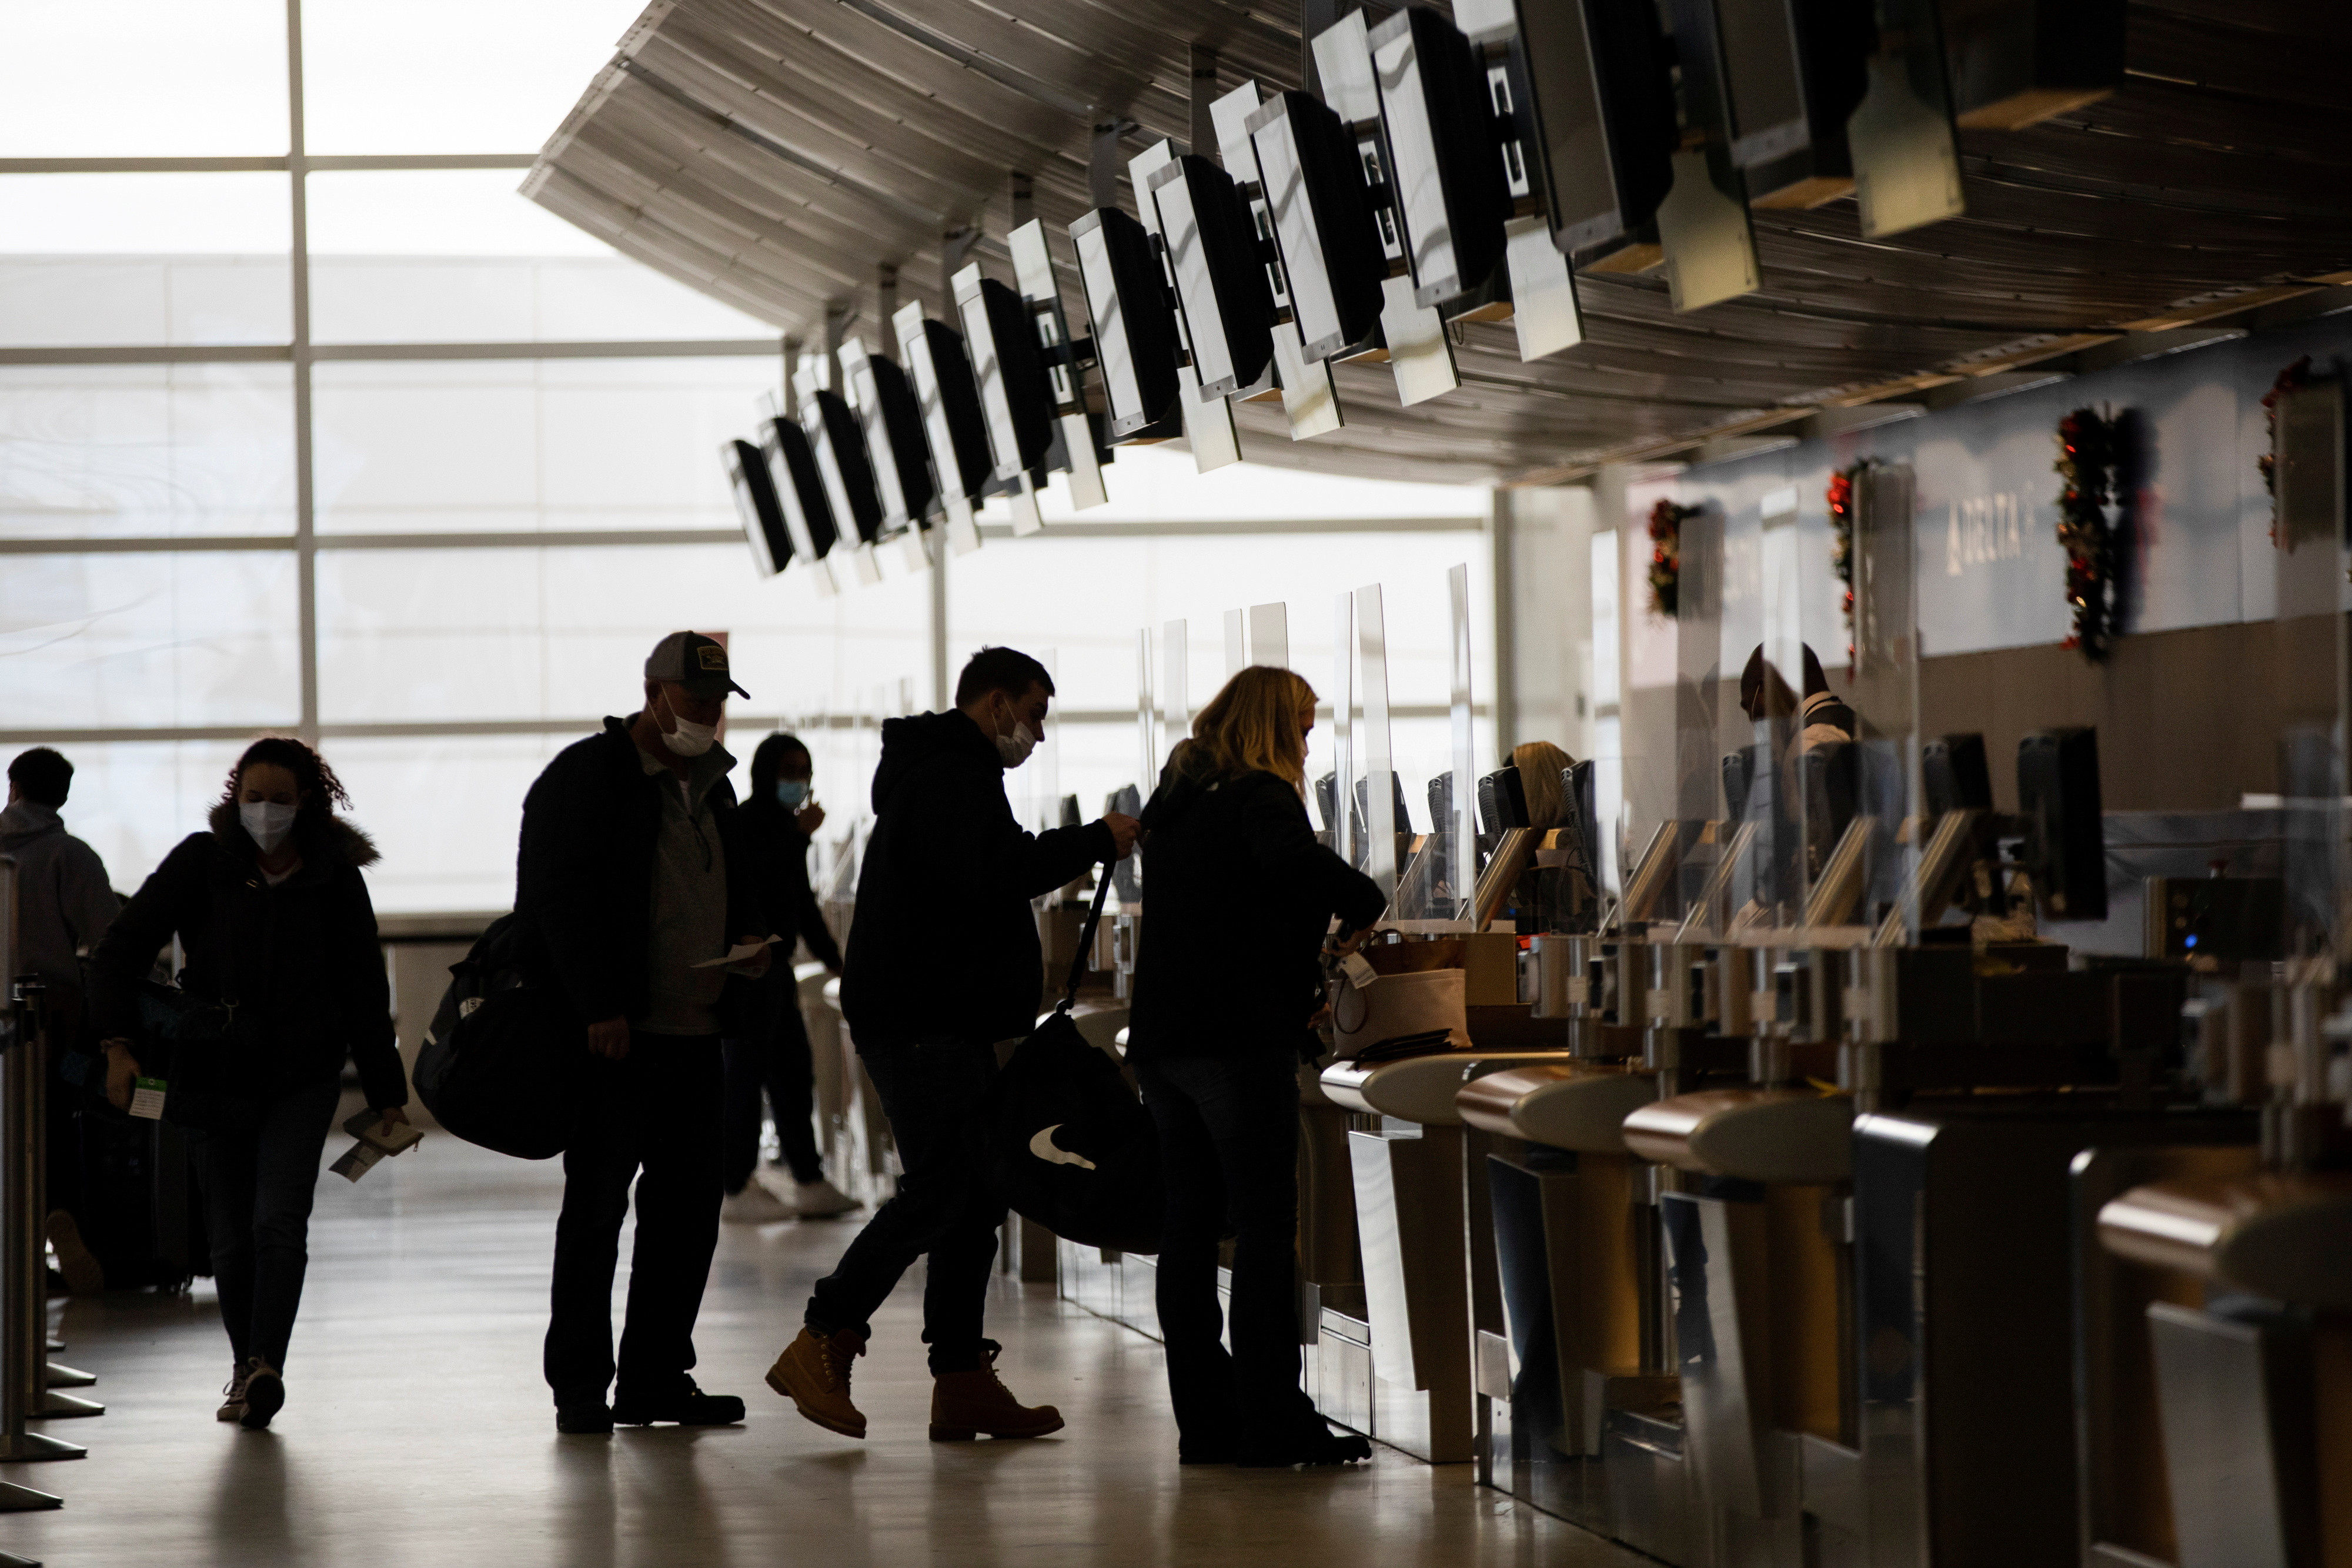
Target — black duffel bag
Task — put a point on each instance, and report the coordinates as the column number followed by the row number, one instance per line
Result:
column 504, row 1063
column 1069, row 1145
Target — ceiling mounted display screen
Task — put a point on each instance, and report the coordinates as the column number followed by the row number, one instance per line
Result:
column 949, row 400
column 1016, row 393
column 893, row 423
column 1220, row 285
column 1315, row 192
column 1604, row 112
column 1448, row 172
column 1134, row 327
column 1763, row 82
column 799, row 489
column 756, row 503
column 839, row 443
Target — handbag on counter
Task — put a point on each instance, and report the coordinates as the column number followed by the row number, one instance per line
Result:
column 1405, row 999
column 1069, row 1143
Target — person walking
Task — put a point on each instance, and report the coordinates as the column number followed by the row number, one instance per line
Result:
column 630, row 880
column 64, row 904
column 779, row 819
column 943, row 962
column 272, row 912
column 1240, row 889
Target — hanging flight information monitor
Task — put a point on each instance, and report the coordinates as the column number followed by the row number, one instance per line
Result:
column 755, row 503
column 892, row 426
column 1014, row 394
column 1603, row 101
column 1446, row 167
column 1213, row 262
column 847, row 473
column 1322, row 223
column 956, row 431
column 1134, row 324
column 800, row 497
column 1076, row 450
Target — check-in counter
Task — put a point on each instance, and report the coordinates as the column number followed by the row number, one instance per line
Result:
column 1559, row 1344
column 1760, row 1281
column 1414, row 1227
column 2253, row 1378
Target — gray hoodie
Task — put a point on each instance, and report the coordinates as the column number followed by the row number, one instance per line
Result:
column 63, row 896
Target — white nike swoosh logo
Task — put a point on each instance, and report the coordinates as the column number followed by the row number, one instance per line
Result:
column 1043, row 1146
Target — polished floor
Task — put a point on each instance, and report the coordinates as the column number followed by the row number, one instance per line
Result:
column 416, row 1430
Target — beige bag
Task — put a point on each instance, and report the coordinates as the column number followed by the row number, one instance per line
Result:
column 1391, row 1006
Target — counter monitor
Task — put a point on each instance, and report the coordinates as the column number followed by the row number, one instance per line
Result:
column 1322, row 223
column 1014, row 393
column 755, row 503
column 1214, row 262
column 799, row 490
column 1448, row 170
column 1135, row 338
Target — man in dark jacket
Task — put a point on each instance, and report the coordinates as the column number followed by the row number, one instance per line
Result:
column 630, row 882
column 943, row 962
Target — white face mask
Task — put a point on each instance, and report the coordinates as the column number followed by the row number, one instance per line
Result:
column 689, row 739
column 1013, row 750
column 267, row 823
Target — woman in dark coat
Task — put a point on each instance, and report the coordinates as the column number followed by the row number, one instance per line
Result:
column 1240, row 898
column 284, row 980
column 779, row 818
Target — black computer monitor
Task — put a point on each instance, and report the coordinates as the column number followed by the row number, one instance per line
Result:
column 1447, row 174
column 1322, row 223
column 1015, row 394
column 955, row 430
column 893, row 424
column 838, row 440
column 756, row 504
column 1212, row 261
column 1600, row 74
column 799, row 489
column 2065, row 837
column 1136, row 343
column 1954, row 776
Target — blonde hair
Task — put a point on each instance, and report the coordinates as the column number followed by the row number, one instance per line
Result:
column 1541, row 764
column 1254, row 723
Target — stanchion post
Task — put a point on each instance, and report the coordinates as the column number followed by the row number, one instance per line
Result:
column 48, row 1404
column 24, row 1326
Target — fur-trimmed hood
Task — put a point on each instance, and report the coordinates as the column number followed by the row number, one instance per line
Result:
column 332, row 838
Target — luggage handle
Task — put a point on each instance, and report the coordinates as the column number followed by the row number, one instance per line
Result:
column 1085, row 942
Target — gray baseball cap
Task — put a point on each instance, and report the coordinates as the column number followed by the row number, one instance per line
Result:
column 696, row 661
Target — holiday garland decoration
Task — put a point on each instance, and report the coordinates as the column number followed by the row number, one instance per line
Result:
column 2086, row 462
column 1842, row 510
column 2294, row 378
column 1666, row 555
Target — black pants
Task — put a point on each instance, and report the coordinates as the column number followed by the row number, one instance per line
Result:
column 935, row 1092
column 1229, row 1153
column 655, row 1110
column 775, row 1057
column 258, row 1185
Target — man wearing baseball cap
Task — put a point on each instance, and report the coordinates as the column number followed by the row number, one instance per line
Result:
column 630, row 882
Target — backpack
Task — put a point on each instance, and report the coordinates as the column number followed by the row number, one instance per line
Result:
column 505, row 1063
column 1069, row 1143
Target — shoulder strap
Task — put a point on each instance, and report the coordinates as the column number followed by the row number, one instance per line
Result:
column 1086, row 942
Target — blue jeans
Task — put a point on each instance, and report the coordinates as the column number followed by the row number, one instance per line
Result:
column 935, row 1092
column 1229, row 1154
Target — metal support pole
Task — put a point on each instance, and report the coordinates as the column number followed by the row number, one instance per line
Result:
column 1204, row 93
column 24, row 1321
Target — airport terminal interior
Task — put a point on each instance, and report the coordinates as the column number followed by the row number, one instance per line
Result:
column 1817, row 531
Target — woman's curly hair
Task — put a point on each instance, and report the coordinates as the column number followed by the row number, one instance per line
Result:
column 320, row 789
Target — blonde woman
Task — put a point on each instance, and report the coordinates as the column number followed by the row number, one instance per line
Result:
column 1226, row 990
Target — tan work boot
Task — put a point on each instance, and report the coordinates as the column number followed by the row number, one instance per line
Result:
column 966, row 1403
column 813, row 1373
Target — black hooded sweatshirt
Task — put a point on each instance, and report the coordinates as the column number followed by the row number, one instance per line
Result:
column 944, row 941
column 302, row 956
column 1239, row 894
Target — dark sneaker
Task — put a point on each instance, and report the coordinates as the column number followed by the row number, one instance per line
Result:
column 687, row 1405
column 585, row 1418
column 265, row 1396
